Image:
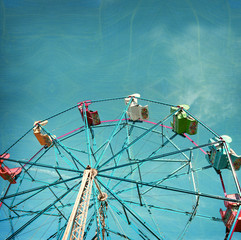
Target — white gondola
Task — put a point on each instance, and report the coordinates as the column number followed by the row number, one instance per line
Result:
column 136, row 111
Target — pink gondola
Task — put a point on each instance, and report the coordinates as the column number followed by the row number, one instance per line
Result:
column 6, row 173
column 229, row 215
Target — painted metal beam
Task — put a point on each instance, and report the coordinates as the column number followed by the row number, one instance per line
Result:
column 55, row 140
column 44, row 165
column 137, row 139
column 38, row 188
column 175, row 211
column 158, row 156
column 135, row 215
column 12, row 236
column 157, row 150
column 174, row 189
column 107, row 143
column 76, row 223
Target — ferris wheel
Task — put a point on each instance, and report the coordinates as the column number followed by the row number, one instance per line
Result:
column 120, row 168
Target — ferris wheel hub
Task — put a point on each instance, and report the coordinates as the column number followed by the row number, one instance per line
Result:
column 102, row 196
column 94, row 172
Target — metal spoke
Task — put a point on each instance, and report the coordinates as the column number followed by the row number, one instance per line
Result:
column 177, row 211
column 135, row 215
column 107, row 143
column 38, row 188
column 44, row 165
column 136, row 140
column 39, row 214
column 142, row 169
column 158, row 156
column 174, row 189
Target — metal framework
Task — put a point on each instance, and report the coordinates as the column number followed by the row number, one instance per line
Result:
column 76, row 224
column 142, row 165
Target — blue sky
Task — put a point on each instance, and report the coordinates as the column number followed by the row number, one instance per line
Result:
column 54, row 54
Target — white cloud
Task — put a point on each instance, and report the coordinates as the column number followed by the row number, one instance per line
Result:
column 201, row 73
column 48, row 172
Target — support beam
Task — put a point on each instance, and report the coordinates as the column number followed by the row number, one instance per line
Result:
column 136, row 140
column 175, row 211
column 174, row 189
column 74, row 158
column 76, row 225
column 43, row 165
column 39, row 214
column 135, row 215
column 39, row 188
column 113, row 133
column 158, row 156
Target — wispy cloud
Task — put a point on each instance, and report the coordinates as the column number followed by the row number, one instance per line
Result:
column 49, row 172
column 201, row 74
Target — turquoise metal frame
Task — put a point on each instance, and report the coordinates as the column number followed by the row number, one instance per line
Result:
column 99, row 159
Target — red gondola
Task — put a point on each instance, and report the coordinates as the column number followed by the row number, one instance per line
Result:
column 6, row 173
column 229, row 215
column 92, row 116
